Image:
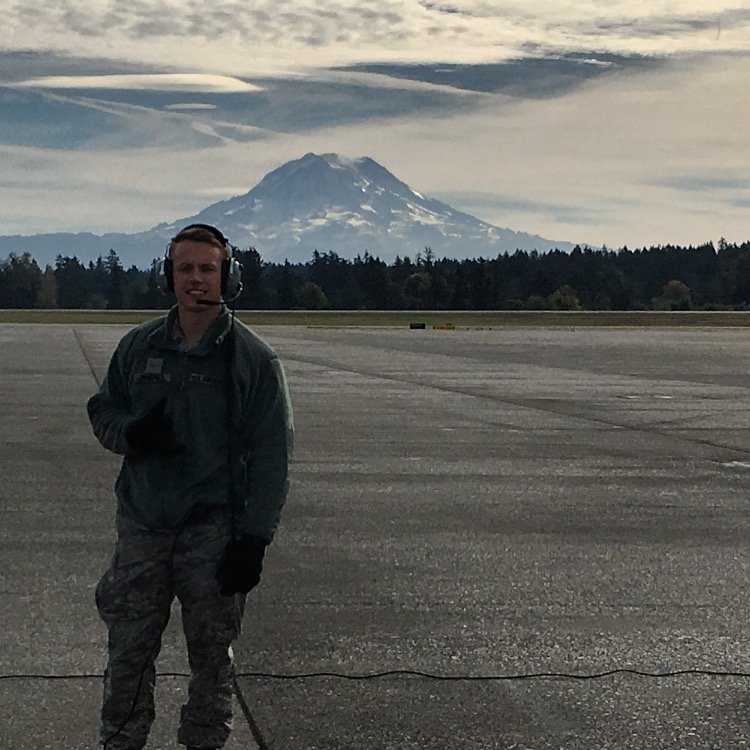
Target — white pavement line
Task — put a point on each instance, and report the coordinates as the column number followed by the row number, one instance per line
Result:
column 736, row 464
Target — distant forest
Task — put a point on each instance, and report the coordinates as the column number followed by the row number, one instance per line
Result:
column 655, row 278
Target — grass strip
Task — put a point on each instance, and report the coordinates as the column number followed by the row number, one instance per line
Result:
column 445, row 320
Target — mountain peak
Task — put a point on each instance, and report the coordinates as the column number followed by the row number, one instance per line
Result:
column 336, row 161
column 352, row 205
column 328, row 202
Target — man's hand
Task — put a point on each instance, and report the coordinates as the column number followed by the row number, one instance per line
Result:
column 241, row 565
column 152, row 433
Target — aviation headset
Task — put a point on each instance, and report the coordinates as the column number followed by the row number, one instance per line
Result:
column 231, row 268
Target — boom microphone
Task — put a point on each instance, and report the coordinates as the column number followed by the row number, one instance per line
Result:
column 221, row 301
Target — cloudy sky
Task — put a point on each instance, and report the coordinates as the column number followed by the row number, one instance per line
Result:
column 617, row 122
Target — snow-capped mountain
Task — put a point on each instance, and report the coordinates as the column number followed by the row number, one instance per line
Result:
column 318, row 202
column 327, row 202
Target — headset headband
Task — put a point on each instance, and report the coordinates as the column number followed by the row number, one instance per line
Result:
column 213, row 231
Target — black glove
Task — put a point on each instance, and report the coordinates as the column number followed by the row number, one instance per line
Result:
column 152, row 432
column 241, row 565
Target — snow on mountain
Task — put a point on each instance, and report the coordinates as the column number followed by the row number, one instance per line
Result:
column 318, row 202
column 327, row 202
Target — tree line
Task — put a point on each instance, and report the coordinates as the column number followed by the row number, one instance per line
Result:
column 668, row 277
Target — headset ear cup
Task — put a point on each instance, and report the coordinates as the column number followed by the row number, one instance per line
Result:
column 231, row 278
column 164, row 275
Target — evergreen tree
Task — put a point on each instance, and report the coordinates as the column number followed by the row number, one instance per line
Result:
column 21, row 281
column 46, row 299
column 255, row 293
column 135, row 284
column 73, row 283
column 371, row 276
column 287, row 288
column 98, row 278
column 482, row 295
column 739, row 276
column 147, row 295
column 459, row 299
column 115, row 292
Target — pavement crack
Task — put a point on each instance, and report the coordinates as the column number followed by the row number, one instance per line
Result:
column 86, row 357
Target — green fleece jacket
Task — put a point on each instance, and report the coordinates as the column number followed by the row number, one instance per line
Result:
column 224, row 400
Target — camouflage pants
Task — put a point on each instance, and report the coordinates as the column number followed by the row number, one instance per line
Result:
column 134, row 598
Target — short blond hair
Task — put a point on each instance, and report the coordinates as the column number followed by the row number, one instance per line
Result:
column 202, row 233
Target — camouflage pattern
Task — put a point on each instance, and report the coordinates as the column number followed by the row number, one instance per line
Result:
column 134, row 598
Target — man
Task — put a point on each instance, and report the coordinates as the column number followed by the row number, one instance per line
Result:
column 198, row 406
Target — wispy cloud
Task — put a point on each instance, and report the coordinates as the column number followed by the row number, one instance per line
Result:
column 708, row 181
column 502, row 206
column 190, row 106
column 142, row 82
column 146, row 110
column 521, row 78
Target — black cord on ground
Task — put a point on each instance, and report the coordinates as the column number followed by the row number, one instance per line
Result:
column 421, row 674
column 493, row 678
column 260, row 740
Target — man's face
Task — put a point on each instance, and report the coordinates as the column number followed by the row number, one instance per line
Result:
column 197, row 274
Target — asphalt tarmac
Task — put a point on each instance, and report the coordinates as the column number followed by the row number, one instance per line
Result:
column 468, row 503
